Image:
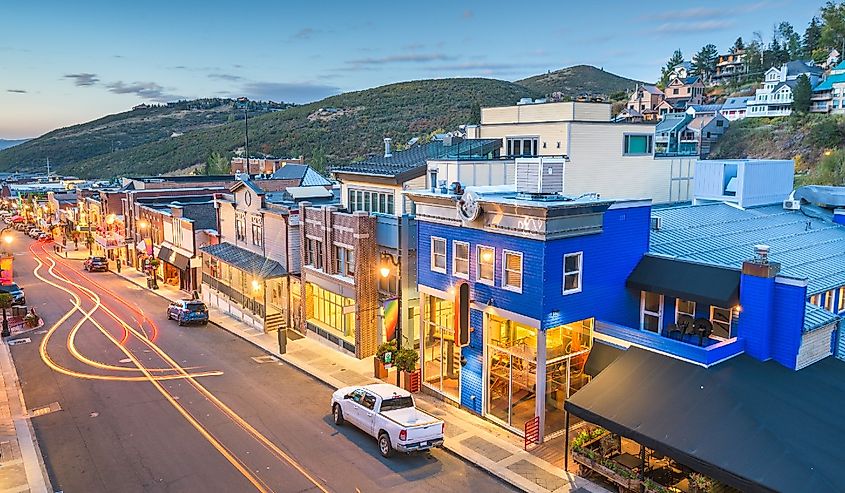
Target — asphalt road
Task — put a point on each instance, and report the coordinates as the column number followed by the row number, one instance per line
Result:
column 151, row 406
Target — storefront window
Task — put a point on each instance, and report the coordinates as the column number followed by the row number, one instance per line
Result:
column 567, row 348
column 328, row 310
column 441, row 356
column 512, row 365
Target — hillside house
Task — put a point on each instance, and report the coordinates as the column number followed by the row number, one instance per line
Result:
column 730, row 67
column 682, row 92
column 775, row 97
column 735, row 108
column 645, row 100
column 829, row 95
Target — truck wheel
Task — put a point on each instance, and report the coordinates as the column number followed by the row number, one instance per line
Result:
column 384, row 445
column 337, row 412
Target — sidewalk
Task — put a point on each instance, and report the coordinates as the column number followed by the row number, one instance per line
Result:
column 21, row 465
column 474, row 439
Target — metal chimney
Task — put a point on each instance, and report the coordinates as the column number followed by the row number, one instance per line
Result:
column 387, row 152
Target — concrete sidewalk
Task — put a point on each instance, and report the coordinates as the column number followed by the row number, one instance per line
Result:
column 21, row 464
column 472, row 438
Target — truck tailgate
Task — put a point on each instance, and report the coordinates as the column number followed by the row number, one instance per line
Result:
column 420, row 426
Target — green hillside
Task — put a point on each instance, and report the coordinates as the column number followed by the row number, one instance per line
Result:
column 579, row 79
column 350, row 126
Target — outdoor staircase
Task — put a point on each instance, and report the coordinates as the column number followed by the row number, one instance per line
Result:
column 274, row 321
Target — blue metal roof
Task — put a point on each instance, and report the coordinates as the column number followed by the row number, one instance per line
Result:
column 807, row 243
column 816, row 317
column 827, row 84
column 734, row 103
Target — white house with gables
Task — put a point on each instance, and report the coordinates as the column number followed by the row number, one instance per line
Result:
column 775, row 97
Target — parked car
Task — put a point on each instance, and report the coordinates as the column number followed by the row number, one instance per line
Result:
column 34, row 232
column 96, row 264
column 45, row 237
column 18, row 296
column 387, row 413
column 188, row 312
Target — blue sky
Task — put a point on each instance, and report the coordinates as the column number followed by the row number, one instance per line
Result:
column 72, row 61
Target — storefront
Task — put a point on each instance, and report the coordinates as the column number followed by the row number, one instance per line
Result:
column 441, row 357
column 331, row 315
column 175, row 269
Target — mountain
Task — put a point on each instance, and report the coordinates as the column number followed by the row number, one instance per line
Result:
column 335, row 130
column 579, row 79
column 5, row 144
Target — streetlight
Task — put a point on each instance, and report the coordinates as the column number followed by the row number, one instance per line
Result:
column 385, row 271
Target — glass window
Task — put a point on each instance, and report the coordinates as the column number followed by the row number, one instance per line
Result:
column 828, row 300
column 361, row 200
column 512, row 271
column 841, row 303
column 684, row 307
column 240, row 226
column 328, row 309
column 637, row 144
column 486, row 260
column 314, row 252
column 460, row 259
column 721, row 319
column 651, row 316
column 815, row 300
column 344, row 261
column 523, row 146
column 257, row 231
column 572, row 272
column 438, row 254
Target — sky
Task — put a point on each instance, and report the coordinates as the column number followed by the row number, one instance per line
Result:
column 66, row 62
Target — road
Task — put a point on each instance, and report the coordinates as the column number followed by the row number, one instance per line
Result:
column 147, row 405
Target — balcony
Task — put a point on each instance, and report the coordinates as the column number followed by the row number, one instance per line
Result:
column 713, row 351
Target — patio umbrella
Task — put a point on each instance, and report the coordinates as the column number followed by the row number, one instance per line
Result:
column 18, row 219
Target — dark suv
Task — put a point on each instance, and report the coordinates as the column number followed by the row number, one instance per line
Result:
column 96, row 264
column 18, row 297
column 188, row 312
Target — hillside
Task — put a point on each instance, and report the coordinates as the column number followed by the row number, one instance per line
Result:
column 578, row 79
column 351, row 125
column 108, row 135
column 5, row 144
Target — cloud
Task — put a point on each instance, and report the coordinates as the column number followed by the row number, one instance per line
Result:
column 304, row 33
column 706, row 13
column 694, row 27
column 228, row 77
column 404, row 58
column 83, row 79
column 413, row 47
column 16, row 91
column 487, row 68
column 288, row 92
column 468, row 14
column 146, row 90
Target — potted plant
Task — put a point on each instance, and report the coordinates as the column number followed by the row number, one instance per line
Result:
column 32, row 319
column 386, row 351
column 700, row 483
column 406, row 362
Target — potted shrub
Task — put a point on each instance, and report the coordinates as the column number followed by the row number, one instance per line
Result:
column 700, row 483
column 385, row 349
column 406, row 362
column 32, row 319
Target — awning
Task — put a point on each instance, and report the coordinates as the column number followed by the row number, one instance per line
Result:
column 174, row 258
column 710, row 284
column 601, row 355
column 756, row 426
column 241, row 258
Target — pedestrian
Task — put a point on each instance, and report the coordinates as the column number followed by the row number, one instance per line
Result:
column 118, row 266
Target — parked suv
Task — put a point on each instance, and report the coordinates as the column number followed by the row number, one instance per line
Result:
column 96, row 264
column 187, row 312
column 35, row 232
column 18, row 297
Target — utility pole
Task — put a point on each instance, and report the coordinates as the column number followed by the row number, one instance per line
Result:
column 48, row 168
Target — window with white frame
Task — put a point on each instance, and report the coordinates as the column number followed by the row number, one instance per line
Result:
column 438, row 254
column 841, row 304
column 257, row 230
column 651, row 311
column 512, row 271
column 815, row 300
column 684, row 307
column 371, row 201
column 722, row 319
column 572, row 266
column 460, row 259
column 485, row 258
column 240, row 226
column 344, row 261
column 828, row 300
column 522, row 146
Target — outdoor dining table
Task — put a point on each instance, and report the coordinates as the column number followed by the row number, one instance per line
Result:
column 629, row 461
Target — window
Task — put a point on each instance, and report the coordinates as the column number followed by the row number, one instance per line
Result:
column 675, row 91
column 333, row 311
column 366, row 200
column 460, row 259
column 314, row 252
column 637, row 144
column 684, row 307
column 512, row 271
column 369, row 401
column 522, row 146
column 344, row 261
column 815, row 300
column 257, row 233
column 651, row 312
column 828, row 300
column 572, row 272
column 485, row 258
column 438, row 254
column 720, row 123
column 841, row 304
column 240, row 226
column 721, row 318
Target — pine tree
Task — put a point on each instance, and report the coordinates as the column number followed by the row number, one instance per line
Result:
column 833, row 27
column 801, row 95
column 676, row 59
column 812, row 35
column 704, row 62
column 739, row 45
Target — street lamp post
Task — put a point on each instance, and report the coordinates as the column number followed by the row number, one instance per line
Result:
column 385, row 271
column 5, row 331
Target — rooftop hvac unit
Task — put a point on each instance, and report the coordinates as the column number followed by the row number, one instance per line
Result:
column 539, row 175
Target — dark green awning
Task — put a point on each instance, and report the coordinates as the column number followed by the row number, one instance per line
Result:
column 703, row 283
column 601, row 355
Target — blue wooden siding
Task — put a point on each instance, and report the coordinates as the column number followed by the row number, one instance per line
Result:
column 787, row 323
column 757, row 298
column 472, row 374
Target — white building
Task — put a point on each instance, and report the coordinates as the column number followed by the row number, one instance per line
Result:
column 775, row 97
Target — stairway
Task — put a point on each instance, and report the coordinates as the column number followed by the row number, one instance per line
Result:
column 274, row 321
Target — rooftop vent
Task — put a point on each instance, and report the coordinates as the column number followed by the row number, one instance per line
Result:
column 387, row 152
column 539, row 175
column 656, row 223
column 761, row 254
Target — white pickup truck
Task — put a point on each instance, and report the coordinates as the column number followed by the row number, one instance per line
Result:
column 387, row 413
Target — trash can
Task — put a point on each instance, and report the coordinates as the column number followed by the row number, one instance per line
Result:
column 150, row 282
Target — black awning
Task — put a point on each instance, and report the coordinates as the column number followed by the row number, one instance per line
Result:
column 601, row 355
column 174, row 258
column 756, row 426
column 710, row 284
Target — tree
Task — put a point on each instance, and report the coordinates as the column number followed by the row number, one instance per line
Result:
column 739, row 45
column 789, row 40
column 319, row 160
column 801, row 94
column 704, row 62
column 5, row 303
column 676, row 59
column 217, row 164
column 754, row 61
column 812, row 36
column 833, row 27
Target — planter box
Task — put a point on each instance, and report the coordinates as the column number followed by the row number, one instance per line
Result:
column 379, row 371
column 632, row 484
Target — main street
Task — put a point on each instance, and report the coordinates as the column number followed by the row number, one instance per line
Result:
column 147, row 405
